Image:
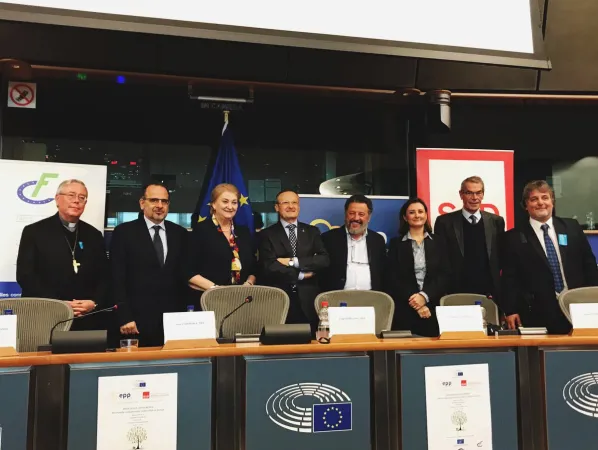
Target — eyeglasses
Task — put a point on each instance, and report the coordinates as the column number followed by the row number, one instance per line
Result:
column 353, row 258
column 472, row 194
column 155, row 201
column 72, row 197
column 288, row 204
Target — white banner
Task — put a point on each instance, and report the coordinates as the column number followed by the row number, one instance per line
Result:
column 458, row 407
column 28, row 189
column 441, row 171
column 138, row 412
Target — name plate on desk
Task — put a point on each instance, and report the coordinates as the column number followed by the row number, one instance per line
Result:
column 356, row 320
column 189, row 330
column 584, row 317
column 8, row 335
column 460, row 322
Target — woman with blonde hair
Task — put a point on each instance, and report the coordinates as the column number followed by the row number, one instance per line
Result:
column 221, row 253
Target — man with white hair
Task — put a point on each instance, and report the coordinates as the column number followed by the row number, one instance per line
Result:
column 64, row 258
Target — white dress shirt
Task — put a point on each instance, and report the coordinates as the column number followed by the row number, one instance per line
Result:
column 150, row 228
column 284, row 224
column 358, row 265
column 467, row 215
column 552, row 234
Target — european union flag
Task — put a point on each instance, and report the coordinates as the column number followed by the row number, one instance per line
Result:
column 459, row 374
column 332, row 417
column 227, row 170
column 460, row 441
column 142, row 384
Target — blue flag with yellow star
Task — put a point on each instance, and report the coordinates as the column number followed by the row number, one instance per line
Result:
column 227, row 170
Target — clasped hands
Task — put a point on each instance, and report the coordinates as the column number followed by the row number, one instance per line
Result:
column 81, row 306
column 418, row 302
column 285, row 262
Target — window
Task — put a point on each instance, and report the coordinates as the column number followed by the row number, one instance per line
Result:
column 154, row 132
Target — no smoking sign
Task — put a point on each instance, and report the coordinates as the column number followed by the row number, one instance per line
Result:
column 21, row 94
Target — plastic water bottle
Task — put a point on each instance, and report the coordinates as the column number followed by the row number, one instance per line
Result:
column 479, row 302
column 324, row 324
column 190, row 308
column 343, row 304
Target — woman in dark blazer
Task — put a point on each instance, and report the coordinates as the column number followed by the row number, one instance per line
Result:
column 417, row 273
column 221, row 253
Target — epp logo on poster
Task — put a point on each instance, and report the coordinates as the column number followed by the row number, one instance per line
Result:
column 29, row 191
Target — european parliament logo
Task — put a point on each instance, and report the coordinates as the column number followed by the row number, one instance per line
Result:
column 331, row 411
column 579, row 395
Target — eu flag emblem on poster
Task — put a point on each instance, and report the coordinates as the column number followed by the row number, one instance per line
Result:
column 332, row 417
column 460, row 441
column 227, row 170
column 142, row 384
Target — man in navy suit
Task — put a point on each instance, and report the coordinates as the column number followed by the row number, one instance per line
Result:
column 545, row 256
column 148, row 273
column 292, row 256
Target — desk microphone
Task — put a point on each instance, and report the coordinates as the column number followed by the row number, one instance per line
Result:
column 247, row 300
column 112, row 308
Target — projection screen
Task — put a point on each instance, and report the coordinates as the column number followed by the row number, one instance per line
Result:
column 502, row 32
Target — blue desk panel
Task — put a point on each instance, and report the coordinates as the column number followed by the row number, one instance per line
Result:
column 14, row 405
column 194, row 413
column 571, row 390
column 315, row 402
column 503, row 395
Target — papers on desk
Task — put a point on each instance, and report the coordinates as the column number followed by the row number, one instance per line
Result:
column 189, row 325
column 137, row 411
column 353, row 320
column 460, row 318
column 8, row 331
column 458, row 407
column 584, row 315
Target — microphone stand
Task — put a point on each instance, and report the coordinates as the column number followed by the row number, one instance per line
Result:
column 223, row 340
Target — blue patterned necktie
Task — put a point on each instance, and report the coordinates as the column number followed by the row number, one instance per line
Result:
column 293, row 237
column 553, row 260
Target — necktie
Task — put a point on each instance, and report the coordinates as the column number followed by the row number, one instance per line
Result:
column 473, row 219
column 293, row 237
column 553, row 260
column 158, row 245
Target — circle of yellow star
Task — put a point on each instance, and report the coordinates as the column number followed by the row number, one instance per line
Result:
column 243, row 200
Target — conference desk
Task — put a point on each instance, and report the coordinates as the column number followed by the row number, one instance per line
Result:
column 240, row 396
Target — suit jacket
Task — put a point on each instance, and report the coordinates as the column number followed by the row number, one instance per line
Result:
column 335, row 276
column 143, row 290
column 312, row 257
column 45, row 265
column 210, row 254
column 450, row 228
column 402, row 284
column 528, row 284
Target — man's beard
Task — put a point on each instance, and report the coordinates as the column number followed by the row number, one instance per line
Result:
column 362, row 228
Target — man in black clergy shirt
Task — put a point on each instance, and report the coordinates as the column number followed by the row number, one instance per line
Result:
column 64, row 258
column 147, row 257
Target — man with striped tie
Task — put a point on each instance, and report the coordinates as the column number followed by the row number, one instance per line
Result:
column 291, row 255
column 545, row 256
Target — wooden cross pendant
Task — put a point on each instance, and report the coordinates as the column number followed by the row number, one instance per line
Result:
column 76, row 266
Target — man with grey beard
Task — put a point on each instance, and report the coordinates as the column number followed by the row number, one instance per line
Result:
column 357, row 255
